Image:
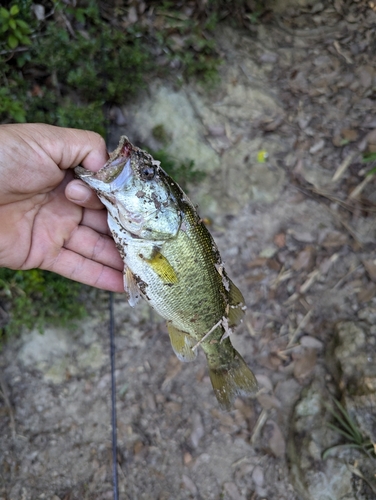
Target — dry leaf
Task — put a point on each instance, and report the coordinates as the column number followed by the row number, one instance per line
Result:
column 371, row 137
column 274, row 265
column 280, row 240
column 187, row 458
column 241, row 407
column 174, row 366
column 188, row 484
column 349, row 134
column 304, row 363
column 232, row 490
column 271, row 361
column 264, row 382
column 277, row 442
column 367, row 293
column 305, row 259
column 330, row 239
column 225, row 419
column 267, row 401
column 370, row 266
column 259, row 262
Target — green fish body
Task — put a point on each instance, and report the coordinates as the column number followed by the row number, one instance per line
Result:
column 172, row 261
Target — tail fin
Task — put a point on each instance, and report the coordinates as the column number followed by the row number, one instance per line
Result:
column 234, row 379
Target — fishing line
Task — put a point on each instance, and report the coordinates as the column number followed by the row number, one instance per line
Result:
column 115, row 482
column 113, row 398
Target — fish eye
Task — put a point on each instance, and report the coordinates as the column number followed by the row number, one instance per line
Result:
column 148, row 172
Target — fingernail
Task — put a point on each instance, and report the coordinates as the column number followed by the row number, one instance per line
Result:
column 79, row 192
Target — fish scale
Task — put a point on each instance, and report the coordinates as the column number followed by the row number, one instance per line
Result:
column 172, row 261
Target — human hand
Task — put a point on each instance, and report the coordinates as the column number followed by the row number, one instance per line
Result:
column 48, row 219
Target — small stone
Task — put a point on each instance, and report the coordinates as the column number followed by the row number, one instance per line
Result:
column 318, row 146
column 258, row 476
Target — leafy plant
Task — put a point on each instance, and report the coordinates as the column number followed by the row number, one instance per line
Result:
column 10, row 106
column 370, row 158
column 183, row 173
column 345, row 426
column 189, row 45
column 13, row 30
column 33, row 298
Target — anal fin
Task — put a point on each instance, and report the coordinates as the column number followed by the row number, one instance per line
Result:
column 182, row 343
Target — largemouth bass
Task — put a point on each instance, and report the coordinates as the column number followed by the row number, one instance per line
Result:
column 172, row 261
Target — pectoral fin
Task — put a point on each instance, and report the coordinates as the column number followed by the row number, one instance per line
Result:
column 163, row 268
column 182, row 343
column 131, row 287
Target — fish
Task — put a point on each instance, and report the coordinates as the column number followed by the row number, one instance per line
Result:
column 171, row 261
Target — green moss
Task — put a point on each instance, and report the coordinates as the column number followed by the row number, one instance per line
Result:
column 33, row 298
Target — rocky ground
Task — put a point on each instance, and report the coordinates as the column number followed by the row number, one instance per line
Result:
column 290, row 204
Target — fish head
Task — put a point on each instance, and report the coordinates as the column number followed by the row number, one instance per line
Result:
column 136, row 192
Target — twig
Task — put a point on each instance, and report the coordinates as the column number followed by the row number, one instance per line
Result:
column 344, row 166
column 259, row 425
column 346, row 276
column 345, row 225
column 282, row 276
column 357, row 472
column 342, row 53
column 312, row 277
column 359, row 188
column 300, row 327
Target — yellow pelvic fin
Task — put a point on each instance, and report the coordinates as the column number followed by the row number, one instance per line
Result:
column 163, row 268
column 234, row 379
column 236, row 305
column 182, row 343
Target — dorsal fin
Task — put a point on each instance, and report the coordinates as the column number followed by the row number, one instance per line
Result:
column 236, row 305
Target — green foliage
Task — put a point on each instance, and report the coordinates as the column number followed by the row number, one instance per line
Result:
column 91, row 117
column 14, row 31
column 345, row 426
column 189, row 44
column 9, row 105
column 370, row 158
column 34, row 298
column 79, row 60
column 111, row 70
column 77, row 63
column 183, row 173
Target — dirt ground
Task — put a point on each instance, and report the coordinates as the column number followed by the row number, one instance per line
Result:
column 282, row 140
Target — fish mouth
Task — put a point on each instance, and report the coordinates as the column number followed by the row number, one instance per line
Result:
column 113, row 176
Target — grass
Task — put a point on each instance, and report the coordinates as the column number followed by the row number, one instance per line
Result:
column 346, row 427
